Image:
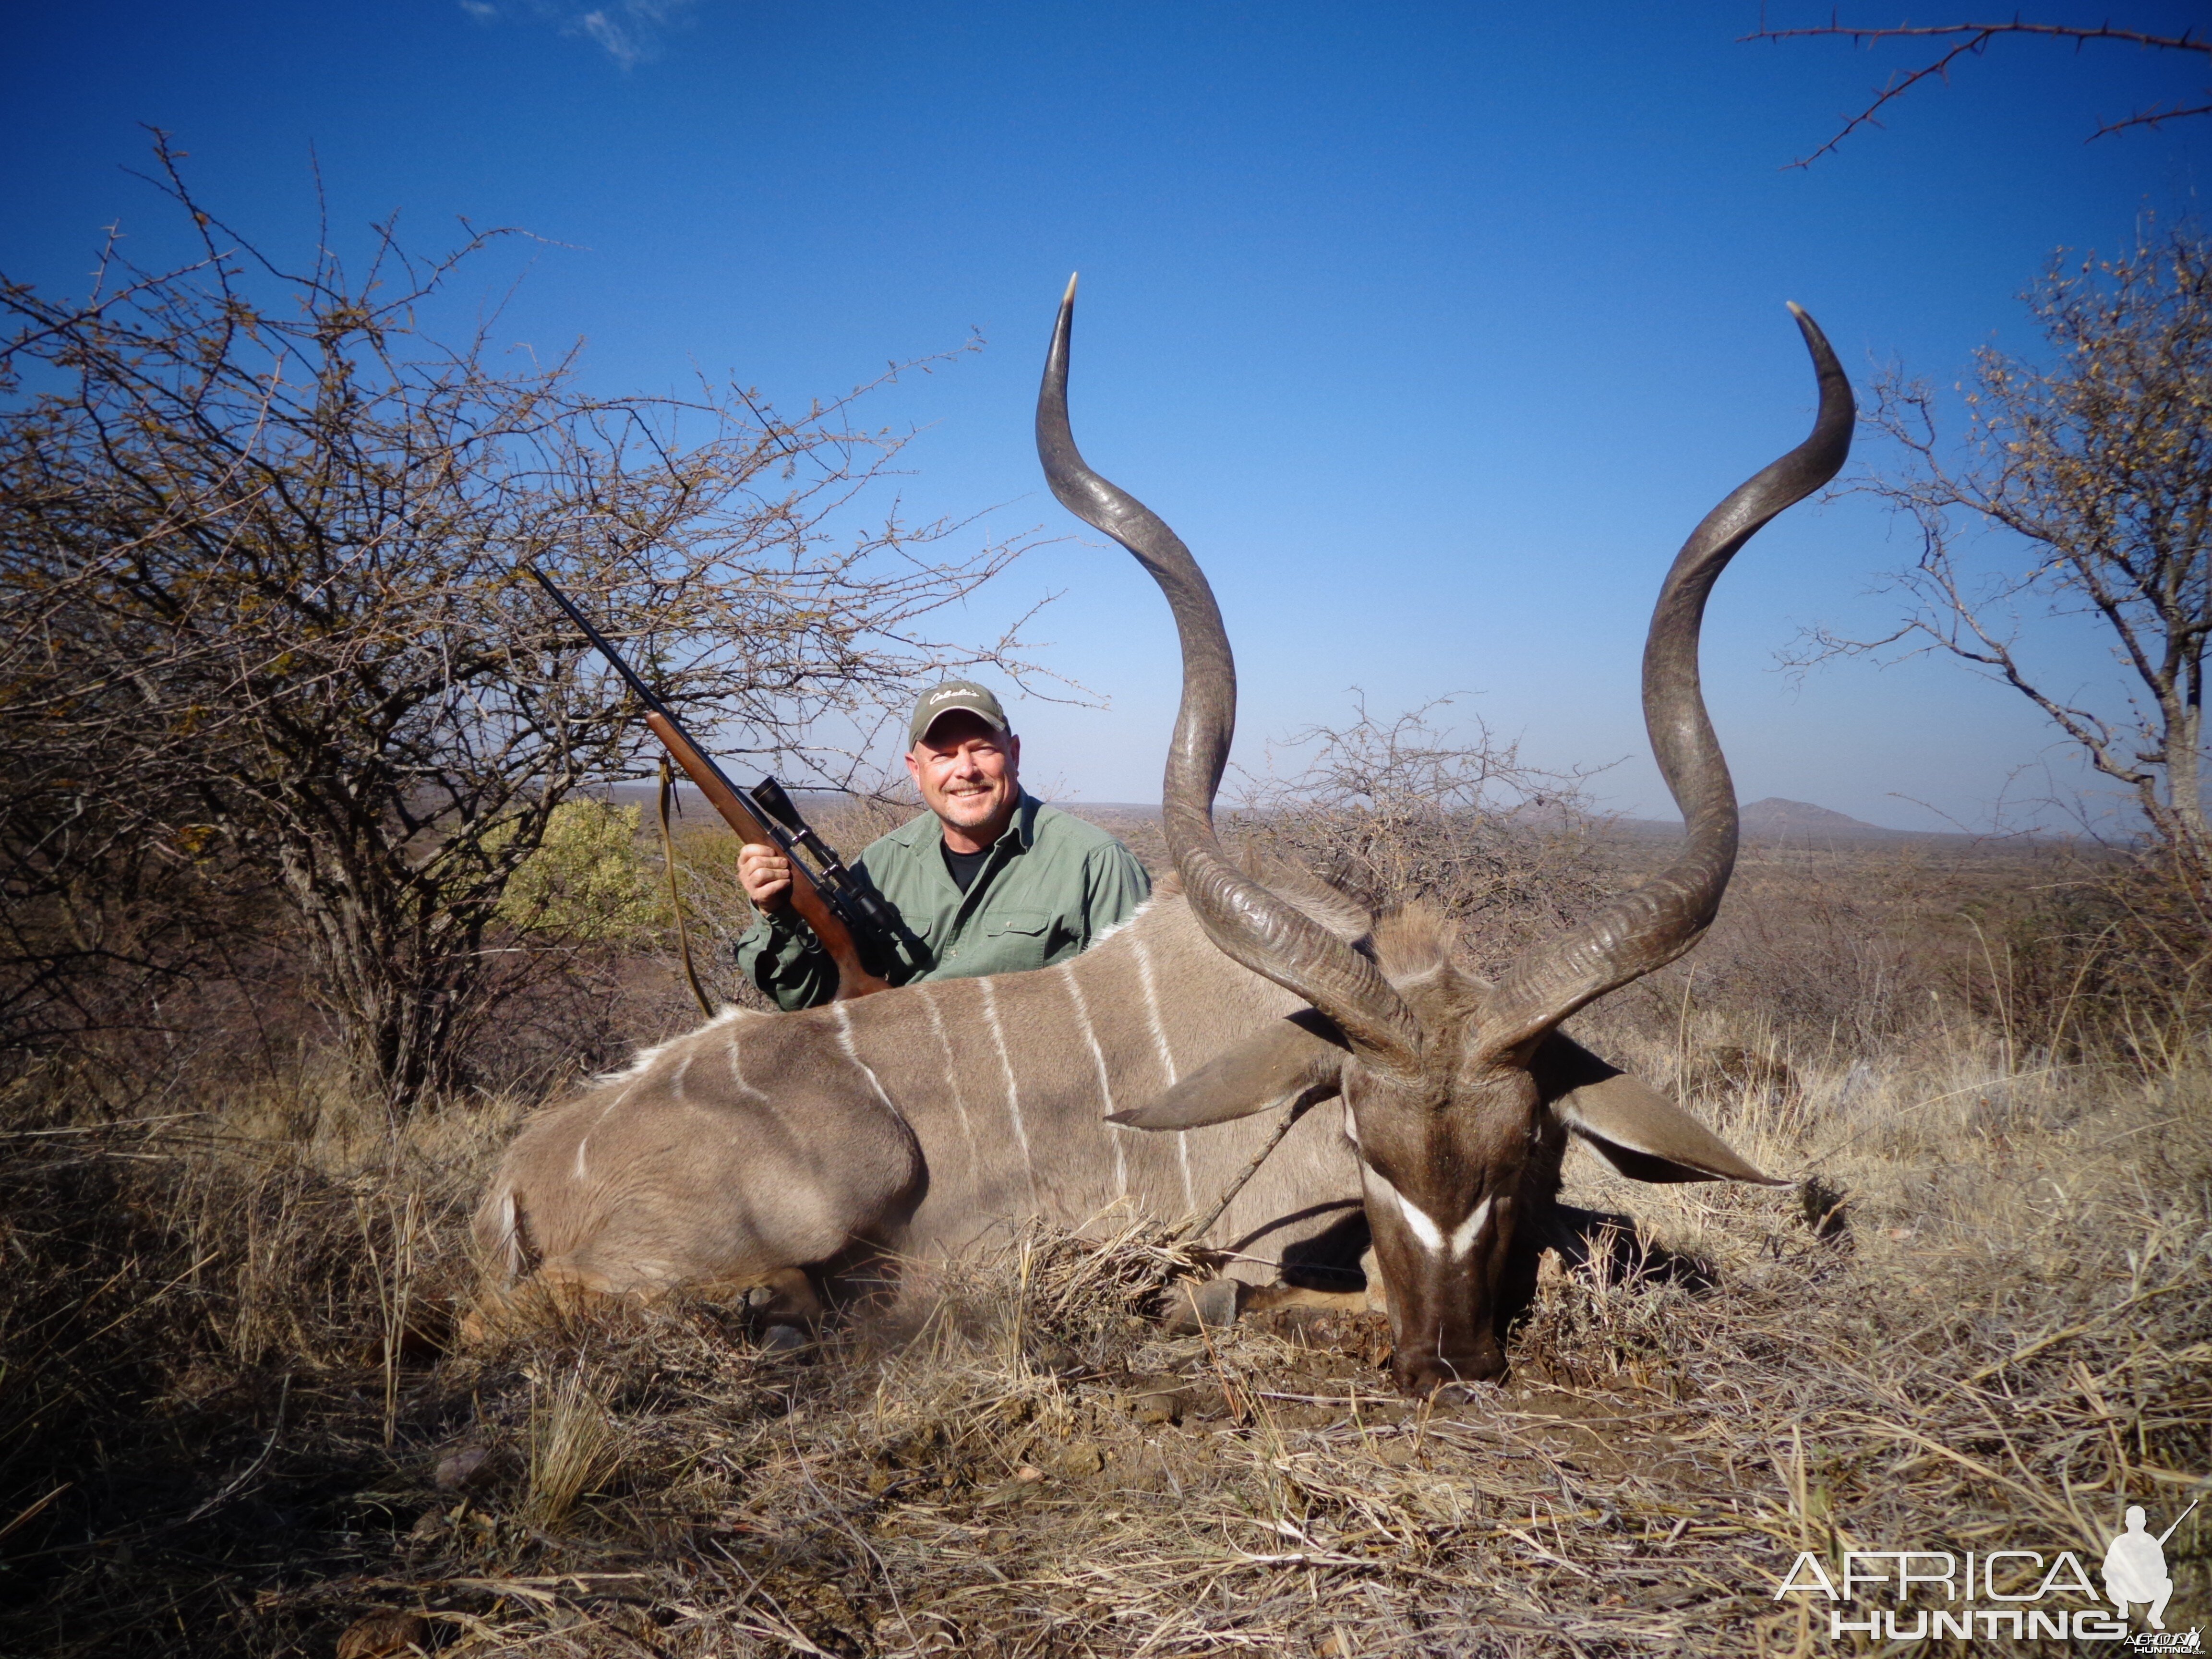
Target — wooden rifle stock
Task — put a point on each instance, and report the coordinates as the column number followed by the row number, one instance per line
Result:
column 854, row 980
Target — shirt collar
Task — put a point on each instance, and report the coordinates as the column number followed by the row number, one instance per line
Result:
column 1020, row 831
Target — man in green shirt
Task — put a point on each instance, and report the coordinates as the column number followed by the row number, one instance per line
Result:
column 990, row 880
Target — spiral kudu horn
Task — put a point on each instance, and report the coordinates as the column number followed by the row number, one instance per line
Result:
column 1649, row 928
column 1250, row 924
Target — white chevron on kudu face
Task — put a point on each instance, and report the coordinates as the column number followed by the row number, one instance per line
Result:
column 1433, row 1238
column 1463, row 1235
column 1423, row 1228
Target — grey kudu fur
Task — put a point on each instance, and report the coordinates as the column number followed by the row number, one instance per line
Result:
column 1458, row 1154
column 770, row 1152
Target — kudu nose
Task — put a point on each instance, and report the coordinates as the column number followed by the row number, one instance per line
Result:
column 1422, row 1374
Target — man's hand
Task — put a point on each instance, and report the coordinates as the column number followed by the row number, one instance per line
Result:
column 765, row 874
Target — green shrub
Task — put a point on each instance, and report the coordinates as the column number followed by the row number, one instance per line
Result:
column 589, row 880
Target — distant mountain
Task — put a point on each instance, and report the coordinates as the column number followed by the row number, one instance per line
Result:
column 1777, row 816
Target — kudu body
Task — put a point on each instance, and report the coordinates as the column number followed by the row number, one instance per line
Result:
column 1439, row 1072
column 769, row 1150
column 906, row 1121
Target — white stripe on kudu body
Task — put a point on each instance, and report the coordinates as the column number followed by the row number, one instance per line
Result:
column 843, row 1011
column 851, row 1124
column 1067, row 971
column 1167, row 1065
column 737, row 1074
column 1013, row 1089
column 951, row 1070
column 1152, row 1010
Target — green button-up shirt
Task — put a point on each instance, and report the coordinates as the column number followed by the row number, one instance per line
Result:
column 1053, row 885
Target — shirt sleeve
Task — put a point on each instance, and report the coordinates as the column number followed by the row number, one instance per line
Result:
column 781, row 955
column 1115, row 884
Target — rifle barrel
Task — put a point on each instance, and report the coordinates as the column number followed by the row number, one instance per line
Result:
column 646, row 695
column 600, row 641
column 2176, row 1527
column 819, row 899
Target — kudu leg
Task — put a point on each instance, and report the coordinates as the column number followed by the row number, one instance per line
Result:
column 547, row 1299
column 787, row 1305
column 785, row 1300
column 1266, row 1298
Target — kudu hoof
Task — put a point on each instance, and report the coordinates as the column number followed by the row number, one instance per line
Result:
column 781, row 1341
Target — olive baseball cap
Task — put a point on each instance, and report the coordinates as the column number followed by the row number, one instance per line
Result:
column 961, row 695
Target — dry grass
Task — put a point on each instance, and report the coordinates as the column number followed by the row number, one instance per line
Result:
column 574, row 1448
column 227, row 1426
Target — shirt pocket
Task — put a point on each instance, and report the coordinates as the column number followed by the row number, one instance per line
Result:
column 1015, row 941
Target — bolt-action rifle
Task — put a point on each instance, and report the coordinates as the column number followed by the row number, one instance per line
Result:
column 842, row 909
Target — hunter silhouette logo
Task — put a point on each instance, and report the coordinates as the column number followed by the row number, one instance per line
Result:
column 2135, row 1566
column 2002, row 1595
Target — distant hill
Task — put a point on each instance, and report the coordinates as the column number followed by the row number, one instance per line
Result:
column 1772, row 819
column 1777, row 816
column 1801, row 824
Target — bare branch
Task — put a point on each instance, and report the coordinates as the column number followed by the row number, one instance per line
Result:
column 2095, row 474
column 1408, row 807
column 261, row 539
column 1973, row 38
column 2150, row 117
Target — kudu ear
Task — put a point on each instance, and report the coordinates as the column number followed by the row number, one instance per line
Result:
column 1294, row 1061
column 1633, row 1127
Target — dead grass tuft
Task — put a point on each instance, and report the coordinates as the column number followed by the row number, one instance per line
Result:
column 574, row 1447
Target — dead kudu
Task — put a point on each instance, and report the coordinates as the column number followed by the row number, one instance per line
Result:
column 776, row 1154
column 771, row 1152
column 1440, row 1073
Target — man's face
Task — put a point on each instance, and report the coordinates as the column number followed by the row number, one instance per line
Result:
column 967, row 774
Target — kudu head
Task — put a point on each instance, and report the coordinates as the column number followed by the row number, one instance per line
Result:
column 1446, row 1077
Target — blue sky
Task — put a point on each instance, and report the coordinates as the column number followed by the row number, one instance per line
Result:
column 1432, row 328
